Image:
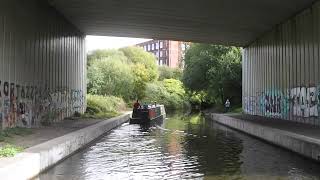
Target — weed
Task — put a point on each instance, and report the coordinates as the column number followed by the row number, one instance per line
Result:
column 9, row 150
column 10, row 132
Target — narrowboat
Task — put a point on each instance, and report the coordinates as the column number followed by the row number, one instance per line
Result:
column 147, row 114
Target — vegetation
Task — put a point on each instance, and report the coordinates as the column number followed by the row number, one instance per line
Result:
column 104, row 106
column 236, row 109
column 169, row 73
column 143, row 67
column 110, row 77
column 6, row 147
column 123, row 73
column 213, row 73
column 131, row 73
column 6, row 134
column 169, row 92
column 107, row 53
column 9, row 150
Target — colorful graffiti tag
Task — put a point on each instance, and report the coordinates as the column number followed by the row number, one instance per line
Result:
column 304, row 101
column 300, row 102
column 274, row 103
column 250, row 105
column 27, row 106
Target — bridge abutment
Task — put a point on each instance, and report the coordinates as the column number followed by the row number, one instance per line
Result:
column 42, row 65
column 281, row 76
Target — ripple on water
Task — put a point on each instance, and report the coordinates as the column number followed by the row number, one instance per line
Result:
column 129, row 153
column 179, row 149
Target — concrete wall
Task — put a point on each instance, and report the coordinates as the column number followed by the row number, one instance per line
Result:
column 281, row 76
column 42, row 64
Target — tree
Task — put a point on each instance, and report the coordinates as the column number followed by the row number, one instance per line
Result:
column 111, row 77
column 215, row 70
column 174, row 86
column 131, row 65
column 106, row 53
column 143, row 66
column 166, row 72
column 169, row 92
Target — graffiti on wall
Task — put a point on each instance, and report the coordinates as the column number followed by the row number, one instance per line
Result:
column 27, row 106
column 77, row 100
column 300, row 101
column 8, row 104
column 304, row 101
column 251, row 105
column 274, row 103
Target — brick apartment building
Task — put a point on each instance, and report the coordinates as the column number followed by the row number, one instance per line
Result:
column 168, row 53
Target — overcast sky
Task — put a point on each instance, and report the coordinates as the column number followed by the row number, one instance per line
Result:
column 108, row 42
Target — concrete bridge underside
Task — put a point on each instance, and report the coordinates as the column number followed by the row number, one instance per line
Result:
column 42, row 52
column 229, row 22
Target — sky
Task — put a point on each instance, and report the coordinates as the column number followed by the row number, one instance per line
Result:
column 109, row 42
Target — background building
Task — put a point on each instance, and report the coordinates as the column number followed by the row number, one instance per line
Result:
column 168, row 53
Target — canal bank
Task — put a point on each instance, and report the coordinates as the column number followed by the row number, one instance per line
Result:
column 300, row 138
column 36, row 159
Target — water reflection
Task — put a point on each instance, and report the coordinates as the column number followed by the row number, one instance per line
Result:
column 182, row 147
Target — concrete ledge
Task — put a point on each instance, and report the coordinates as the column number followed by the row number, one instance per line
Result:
column 303, row 145
column 34, row 160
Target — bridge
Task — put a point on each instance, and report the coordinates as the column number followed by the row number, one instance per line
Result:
column 43, row 63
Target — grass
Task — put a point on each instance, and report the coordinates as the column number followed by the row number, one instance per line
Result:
column 9, row 150
column 6, row 134
column 236, row 110
column 103, row 107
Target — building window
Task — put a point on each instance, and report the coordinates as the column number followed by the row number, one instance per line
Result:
column 145, row 48
column 148, row 47
column 161, row 54
column 152, row 46
column 157, row 45
column 161, row 44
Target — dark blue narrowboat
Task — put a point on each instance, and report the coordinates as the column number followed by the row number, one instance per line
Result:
column 146, row 115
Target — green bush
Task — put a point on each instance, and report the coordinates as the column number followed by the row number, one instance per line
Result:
column 104, row 106
column 169, row 73
column 169, row 92
column 137, row 55
column 9, row 150
column 144, row 68
column 102, row 54
column 111, row 77
column 122, row 73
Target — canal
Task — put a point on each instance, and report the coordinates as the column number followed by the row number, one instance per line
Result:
column 182, row 147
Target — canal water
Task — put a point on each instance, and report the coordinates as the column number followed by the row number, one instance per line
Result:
column 182, row 147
